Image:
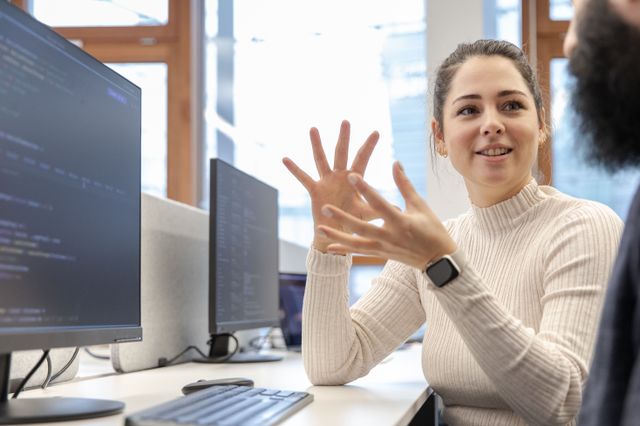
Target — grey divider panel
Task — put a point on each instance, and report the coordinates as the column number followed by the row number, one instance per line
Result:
column 23, row 361
column 175, row 285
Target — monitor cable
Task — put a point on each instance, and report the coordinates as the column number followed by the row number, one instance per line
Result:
column 163, row 362
column 49, row 371
column 33, row 370
column 95, row 355
column 51, row 377
column 230, row 354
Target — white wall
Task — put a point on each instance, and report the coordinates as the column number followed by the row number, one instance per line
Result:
column 448, row 23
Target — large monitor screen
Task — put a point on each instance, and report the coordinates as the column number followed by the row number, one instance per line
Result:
column 69, row 193
column 243, row 264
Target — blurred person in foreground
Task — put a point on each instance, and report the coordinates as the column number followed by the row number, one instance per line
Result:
column 603, row 47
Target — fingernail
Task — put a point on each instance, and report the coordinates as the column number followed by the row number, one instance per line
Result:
column 353, row 179
column 400, row 166
column 320, row 233
column 326, row 212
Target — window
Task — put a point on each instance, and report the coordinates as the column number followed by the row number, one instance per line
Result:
column 98, row 13
column 270, row 78
column 277, row 77
column 560, row 10
column 503, row 20
column 152, row 79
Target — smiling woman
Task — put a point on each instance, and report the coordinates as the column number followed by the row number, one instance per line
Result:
column 511, row 290
column 490, row 129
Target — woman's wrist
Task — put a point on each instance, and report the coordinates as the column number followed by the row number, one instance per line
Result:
column 448, row 248
column 321, row 243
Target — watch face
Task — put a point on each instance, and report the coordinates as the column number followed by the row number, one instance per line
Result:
column 442, row 272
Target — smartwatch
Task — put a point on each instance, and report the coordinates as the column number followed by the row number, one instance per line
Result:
column 442, row 271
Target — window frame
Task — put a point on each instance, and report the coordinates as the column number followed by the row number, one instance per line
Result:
column 550, row 36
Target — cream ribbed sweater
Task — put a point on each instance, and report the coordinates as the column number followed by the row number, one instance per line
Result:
column 507, row 342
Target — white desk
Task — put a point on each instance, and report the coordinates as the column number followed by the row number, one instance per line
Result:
column 390, row 394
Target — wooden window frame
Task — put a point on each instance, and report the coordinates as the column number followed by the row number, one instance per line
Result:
column 550, row 36
column 169, row 44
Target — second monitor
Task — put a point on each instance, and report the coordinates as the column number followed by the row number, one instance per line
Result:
column 243, row 259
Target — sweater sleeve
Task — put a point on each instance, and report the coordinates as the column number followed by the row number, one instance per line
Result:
column 340, row 344
column 540, row 374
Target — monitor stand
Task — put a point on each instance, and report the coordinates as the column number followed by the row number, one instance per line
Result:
column 219, row 353
column 54, row 409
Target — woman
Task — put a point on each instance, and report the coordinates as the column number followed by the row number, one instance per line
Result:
column 511, row 291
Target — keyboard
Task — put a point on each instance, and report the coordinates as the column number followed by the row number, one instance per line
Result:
column 224, row 406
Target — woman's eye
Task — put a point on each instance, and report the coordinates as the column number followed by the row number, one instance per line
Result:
column 467, row 110
column 512, row 106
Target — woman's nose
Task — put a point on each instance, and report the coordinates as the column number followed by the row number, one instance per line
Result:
column 492, row 125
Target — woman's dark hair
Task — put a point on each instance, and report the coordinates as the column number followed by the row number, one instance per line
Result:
column 466, row 51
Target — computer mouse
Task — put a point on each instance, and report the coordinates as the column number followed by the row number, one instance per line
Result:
column 203, row 384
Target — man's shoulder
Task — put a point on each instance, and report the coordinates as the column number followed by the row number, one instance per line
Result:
column 633, row 215
column 631, row 234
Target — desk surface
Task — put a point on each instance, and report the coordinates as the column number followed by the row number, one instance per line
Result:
column 389, row 395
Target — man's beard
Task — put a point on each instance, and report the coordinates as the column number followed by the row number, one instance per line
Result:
column 606, row 96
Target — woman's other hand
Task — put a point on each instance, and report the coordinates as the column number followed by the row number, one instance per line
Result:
column 333, row 186
column 415, row 237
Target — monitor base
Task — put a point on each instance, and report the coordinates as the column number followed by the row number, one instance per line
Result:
column 241, row 358
column 219, row 352
column 54, row 409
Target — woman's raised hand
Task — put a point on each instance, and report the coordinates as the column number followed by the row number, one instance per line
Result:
column 332, row 186
column 415, row 237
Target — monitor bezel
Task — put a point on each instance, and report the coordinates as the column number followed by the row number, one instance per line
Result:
column 56, row 338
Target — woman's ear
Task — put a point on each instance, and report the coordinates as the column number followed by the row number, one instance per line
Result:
column 543, row 128
column 438, row 138
column 435, row 130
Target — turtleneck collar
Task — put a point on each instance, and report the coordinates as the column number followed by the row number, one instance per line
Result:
column 505, row 214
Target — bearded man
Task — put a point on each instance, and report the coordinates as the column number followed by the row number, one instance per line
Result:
column 603, row 46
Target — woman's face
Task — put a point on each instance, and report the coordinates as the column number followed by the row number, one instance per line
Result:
column 490, row 128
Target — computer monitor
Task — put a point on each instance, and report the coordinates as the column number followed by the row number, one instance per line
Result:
column 69, row 207
column 291, row 298
column 243, row 259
